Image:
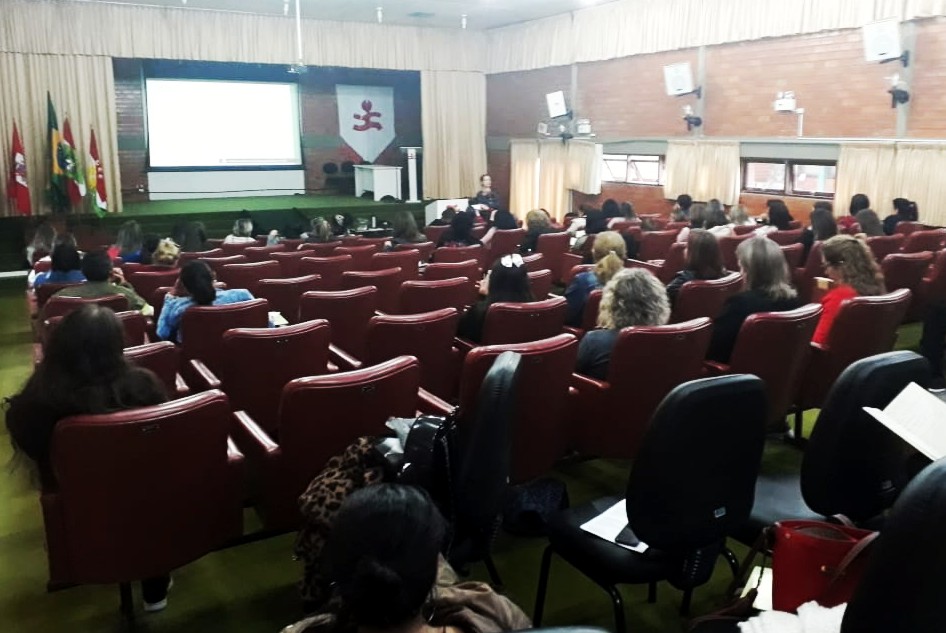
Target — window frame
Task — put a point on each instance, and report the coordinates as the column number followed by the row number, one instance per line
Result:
column 661, row 169
column 789, row 180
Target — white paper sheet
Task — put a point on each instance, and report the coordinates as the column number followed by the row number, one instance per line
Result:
column 918, row 417
column 763, row 600
column 609, row 524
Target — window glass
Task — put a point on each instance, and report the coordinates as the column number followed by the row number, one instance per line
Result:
column 765, row 177
column 614, row 168
column 814, row 180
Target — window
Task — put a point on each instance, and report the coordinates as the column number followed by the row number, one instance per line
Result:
column 636, row 169
column 790, row 178
column 813, row 180
column 765, row 177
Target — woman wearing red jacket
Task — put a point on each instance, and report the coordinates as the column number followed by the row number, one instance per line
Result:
column 849, row 264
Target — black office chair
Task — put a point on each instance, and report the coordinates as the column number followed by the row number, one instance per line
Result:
column 852, row 465
column 482, row 474
column 691, row 483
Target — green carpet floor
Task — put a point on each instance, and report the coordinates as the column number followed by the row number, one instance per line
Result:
column 250, row 589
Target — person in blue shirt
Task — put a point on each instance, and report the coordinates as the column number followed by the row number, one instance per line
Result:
column 195, row 287
column 66, row 267
column 609, row 252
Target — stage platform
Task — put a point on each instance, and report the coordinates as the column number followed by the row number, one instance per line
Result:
column 316, row 203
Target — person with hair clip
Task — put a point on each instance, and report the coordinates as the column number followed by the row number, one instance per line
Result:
column 506, row 282
column 195, row 287
column 704, row 261
column 609, row 252
column 242, row 232
column 904, row 211
column 849, row 264
column 320, row 232
column 394, row 580
column 859, row 202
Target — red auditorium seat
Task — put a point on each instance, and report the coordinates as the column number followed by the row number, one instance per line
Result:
column 248, row 275
column 134, row 324
column 883, row 245
column 775, row 347
column 553, row 247
column 141, row 492
column 289, row 261
column 794, row 225
column 920, row 241
column 360, row 255
column 237, row 249
column 44, row 291
column 329, row 269
column 784, row 238
column 793, row 255
column 284, row 294
column 908, row 228
column 656, row 244
column 705, row 298
column 665, row 270
column 541, row 283
column 348, row 312
column 574, row 271
column 589, row 315
column 407, row 261
column 61, row 306
column 378, row 242
column 864, row 326
column 535, row 263
column 728, row 245
column 434, row 233
column 804, row 278
column 145, row 283
column 202, row 329
column 316, row 249
column 608, row 418
column 426, row 296
column 387, row 281
column 933, row 286
column 217, row 263
column 426, row 249
column 262, row 253
column 454, row 254
column 744, row 229
column 623, row 225
column 451, row 270
column 906, row 270
column 508, row 323
column 505, row 242
column 319, row 417
column 164, row 359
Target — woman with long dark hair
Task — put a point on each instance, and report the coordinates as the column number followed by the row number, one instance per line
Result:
column 822, row 227
column 704, row 260
column 195, row 287
column 507, row 282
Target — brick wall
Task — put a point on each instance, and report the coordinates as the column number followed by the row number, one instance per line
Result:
column 927, row 105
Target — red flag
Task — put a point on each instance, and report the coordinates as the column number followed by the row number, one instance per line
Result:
column 18, row 189
column 75, row 186
column 95, row 180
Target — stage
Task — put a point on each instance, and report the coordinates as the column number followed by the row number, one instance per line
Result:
column 311, row 205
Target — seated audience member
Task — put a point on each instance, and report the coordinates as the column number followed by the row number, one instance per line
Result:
column 128, row 244
column 195, row 287
column 102, row 279
column 904, row 211
column 273, row 238
column 149, row 243
column 83, row 371
column 704, row 260
column 681, row 209
column 319, row 233
column 499, row 220
column 611, row 210
column 778, row 219
column 870, row 223
column 66, row 267
column 166, row 254
column 851, row 266
column 242, row 232
column 699, row 216
column 460, row 232
column 64, row 239
column 537, row 223
column 42, row 244
column 632, row 297
column 627, row 213
column 740, row 216
column 507, row 282
column 445, row 218
column 609, row 254
column 716, row 221
column 822, row 227
column 768, row 289
column 394, row 580
column 859, row 202
column 190, row 236
column 404, row 230
column 594, row 223
column 341, row 224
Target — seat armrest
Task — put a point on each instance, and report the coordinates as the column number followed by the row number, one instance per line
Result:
column 202, row 377
column 712, row 368
column 180, row 387
column 430, row 404
column 342, row 359
column 649, row 265
column 235, row 458
column 463, row 345
column 252, row 439
column 577, row 332
column 584, row 384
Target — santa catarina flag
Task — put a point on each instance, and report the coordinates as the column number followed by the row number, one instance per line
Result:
column 68, row 162
column 18, row 189
column 95, row 179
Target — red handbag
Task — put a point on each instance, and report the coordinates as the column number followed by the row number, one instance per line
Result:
column 815, row 560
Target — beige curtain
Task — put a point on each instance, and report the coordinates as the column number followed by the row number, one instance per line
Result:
column 119, row 30
column 453, row 119
column 867, row 168
column 523, row 177
column 920, row 169
column 584, row 165
column 83, row 89
column 554, row 172
column 703, row 169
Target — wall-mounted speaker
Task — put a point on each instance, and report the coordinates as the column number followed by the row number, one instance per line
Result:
column 882, row 40
column 678, row 79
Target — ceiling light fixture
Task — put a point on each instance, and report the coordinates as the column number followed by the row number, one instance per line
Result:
column 463, row 21
column 380, row 13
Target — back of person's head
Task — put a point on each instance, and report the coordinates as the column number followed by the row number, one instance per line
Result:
column 764, row 266
column 191, row 237
column 503, row 220
column 43, row 237
column 739, row 214
column 381, row 556
column 341, row 223
column 538, row 221
column 405, row 226
column 703, row 254
column 321, row 230
column 779, row 215
column 595, row 222
column 448, row 214
column 609, row 252
column 854, row 264
column 461, row 227
column 65, row 258
column 166, row 254
column 906, row 209
column 149, row 244
column 243, row 227
column 713, row 206
column 627, row 210
column 86, row 348
column 697, row 216
column 633, row 297
column 611, row 209
column 198, row 280
column 129, row 238
column 871, row 226
column 715, row 217
column 824, row 205
column 509, row 281
column 68, row 239
column 684, row 201
column 96, row 266
column 823, row 224
column 859, row 202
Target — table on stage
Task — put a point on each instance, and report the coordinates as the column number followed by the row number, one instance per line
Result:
column 383, row 180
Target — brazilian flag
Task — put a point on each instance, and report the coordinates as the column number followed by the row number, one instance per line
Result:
column 56, row 193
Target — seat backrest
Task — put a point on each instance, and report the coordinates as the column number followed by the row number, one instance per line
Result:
column 908, row 228
column 145, row 283
column 426, row 296
column 728, row 245
column 407, row 261
column 540, row 433
column 259, row 362
column 793, row 255
column 865, row 326
column 425, row 249
column 163, row 358
column 217, row 263
column 329, row 269
column 451, row 270
column 804, row 277
column 693, row 480
column 883, row 245
column 238, row 247
column 656, row 244
column 912, row 538
column 387, row 281
column 574, row 271
column 202, row 328
column 674, row 262
column 360, row 255
column 45, row 291
column 289, row 261
column 136, row 476
column 505, row 242
column 523, row 322
column 785, row 237
column 434, row 233
column 262, row 253
column 852, row 464
column 320, row 249
column 589, row 315
column 934, row 286
column 920, row 241
column 61, row 306
column 428, row 337
column 541, row 283
column 348, row 312
column 284, row 294
column 535, row 262
column 623, row 225
column 319, row 416
column 248, row 275
column 775, row 347
column 448, row 254
column 705, row 297
column 134, row 325
column 743, row 229
column 553, row 246
column 906, row 270
column 187, row 256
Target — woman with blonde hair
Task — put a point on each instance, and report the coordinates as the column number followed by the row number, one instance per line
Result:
column 609, row 252
column 166, row 254
column 632, row 297
column 537, row 223
column 851, row 266
column 740, row 216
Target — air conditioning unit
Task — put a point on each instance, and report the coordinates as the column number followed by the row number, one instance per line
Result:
column 785, row 102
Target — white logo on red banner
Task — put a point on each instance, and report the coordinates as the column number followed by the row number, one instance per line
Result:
column 366, row 118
